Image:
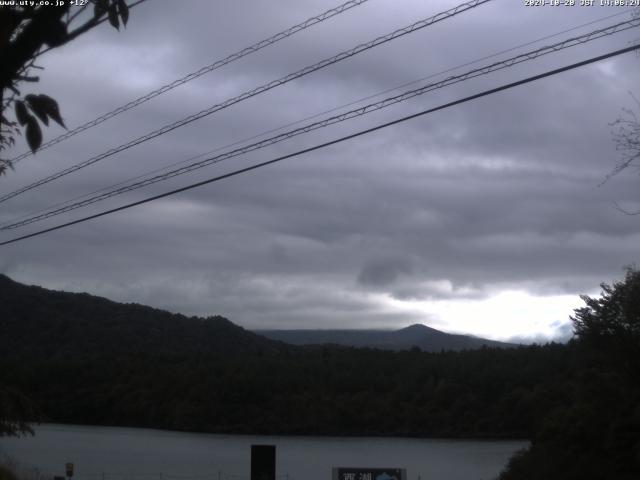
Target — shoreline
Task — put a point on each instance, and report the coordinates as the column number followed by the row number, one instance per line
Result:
column 496, row 438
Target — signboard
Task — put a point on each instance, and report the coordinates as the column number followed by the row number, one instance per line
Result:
column 364, row 473
column 69, row 468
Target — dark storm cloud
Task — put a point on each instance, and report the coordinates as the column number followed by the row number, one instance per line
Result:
column 499, row 194
column 382, row 272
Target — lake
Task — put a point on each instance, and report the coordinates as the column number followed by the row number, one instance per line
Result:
column 107, row 453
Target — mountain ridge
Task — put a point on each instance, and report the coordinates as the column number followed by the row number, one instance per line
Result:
column 418, row 335
column 47, row 323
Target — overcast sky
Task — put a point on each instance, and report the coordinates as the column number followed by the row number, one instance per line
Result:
column 486, row 218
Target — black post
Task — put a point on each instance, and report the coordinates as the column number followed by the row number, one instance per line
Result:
column 263, row 462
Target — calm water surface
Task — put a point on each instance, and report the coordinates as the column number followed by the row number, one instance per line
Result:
column 105, row 453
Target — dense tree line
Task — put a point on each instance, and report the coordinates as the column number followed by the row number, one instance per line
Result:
column 484, row 393
column 595, row 434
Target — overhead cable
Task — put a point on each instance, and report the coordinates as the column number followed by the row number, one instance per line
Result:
column 329, row 143
column 198, row 73
column 251, row 93
column 311, row 117
column 571, row 42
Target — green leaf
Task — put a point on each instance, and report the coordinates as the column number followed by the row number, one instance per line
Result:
column 113, row 17
column 47, row 105
column 37, row 108
column 99, row 7
column 123, row 10
column 4, row 164
column 21, row 113
column 33, row 134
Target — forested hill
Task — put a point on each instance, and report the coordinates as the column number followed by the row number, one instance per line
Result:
column 425, row 338
column 40, row 323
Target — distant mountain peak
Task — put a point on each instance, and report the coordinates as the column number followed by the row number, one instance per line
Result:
column 418, row 328
column 418, row 335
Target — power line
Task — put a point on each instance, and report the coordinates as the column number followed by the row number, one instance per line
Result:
column 532, row 55
column 332, row 142
column 316, row 115
column 268, row 86
column 198, row 73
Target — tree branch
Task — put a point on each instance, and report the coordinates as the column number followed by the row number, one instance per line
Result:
column 84, row 28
